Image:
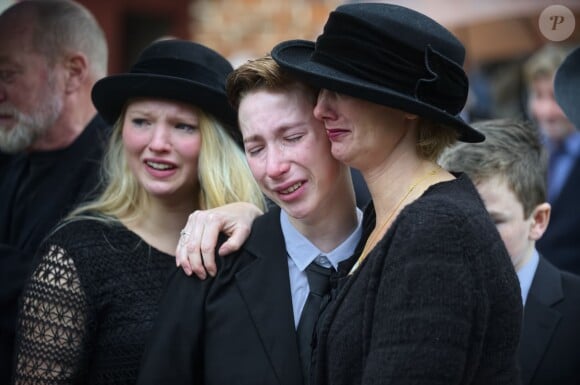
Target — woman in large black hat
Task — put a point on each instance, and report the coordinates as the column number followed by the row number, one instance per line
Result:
column 90, row 304
column 433, row 298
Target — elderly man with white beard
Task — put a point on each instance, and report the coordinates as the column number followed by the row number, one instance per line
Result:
column 51, row 142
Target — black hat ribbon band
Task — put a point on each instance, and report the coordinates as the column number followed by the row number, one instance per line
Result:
column 426, row 76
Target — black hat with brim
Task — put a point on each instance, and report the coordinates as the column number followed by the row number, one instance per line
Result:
column 389, row 55
column 177, row 70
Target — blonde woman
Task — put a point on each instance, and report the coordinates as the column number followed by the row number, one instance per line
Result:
column 433, row 297
column 89, row 306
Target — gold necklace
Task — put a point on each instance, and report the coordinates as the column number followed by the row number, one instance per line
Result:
column 380, row 230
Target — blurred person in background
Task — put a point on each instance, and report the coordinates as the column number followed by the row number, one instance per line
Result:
column 509, row 171
column 51, row 141
column 561, row 242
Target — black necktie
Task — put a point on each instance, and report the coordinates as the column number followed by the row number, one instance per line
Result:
column 319, row 282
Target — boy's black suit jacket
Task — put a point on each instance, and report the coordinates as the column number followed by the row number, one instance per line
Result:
column 237, row 328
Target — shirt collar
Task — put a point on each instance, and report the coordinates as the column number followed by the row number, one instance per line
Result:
column 526, row 274
column 303, row 252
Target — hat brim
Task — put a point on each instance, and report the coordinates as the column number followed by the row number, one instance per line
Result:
column 567, row 86
column 295, row 57
column 110, row 95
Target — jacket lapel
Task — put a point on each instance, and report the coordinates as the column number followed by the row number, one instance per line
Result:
column 265, row 287
column 540, row 319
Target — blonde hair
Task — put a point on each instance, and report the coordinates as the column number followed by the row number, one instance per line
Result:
column 223, row 172
column 433, row 139
column 543, row 63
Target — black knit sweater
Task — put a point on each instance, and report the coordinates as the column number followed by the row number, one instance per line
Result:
column 89, row 306
column 437, row 301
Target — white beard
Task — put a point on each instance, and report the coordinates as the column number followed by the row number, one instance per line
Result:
column 28, row 128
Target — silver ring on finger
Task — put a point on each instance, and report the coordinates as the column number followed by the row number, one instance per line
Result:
column 183, row 237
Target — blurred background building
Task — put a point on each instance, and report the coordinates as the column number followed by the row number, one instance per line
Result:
column 498, row 34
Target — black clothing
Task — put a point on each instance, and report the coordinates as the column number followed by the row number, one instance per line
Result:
column 38, row 189
column 235, row 328
column 560, row 244
column 361, row 191
column 437, row 301
column 549, row 350
column 89, row 306
column 318, row 297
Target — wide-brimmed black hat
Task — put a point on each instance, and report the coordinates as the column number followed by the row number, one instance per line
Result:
column 567, row 86
column 170, row 69
column 389, row 55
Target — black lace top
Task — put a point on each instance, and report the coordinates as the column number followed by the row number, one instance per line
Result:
column 89, row 306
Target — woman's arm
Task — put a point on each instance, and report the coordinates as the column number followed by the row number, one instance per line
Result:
column 53, row 331
column 199, row 238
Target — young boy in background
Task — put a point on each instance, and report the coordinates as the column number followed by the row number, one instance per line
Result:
column 509, row 171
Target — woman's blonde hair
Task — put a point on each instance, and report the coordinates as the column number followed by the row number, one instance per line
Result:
column 223, row 172
column 434, row 138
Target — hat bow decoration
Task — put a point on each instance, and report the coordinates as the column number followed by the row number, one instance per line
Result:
column 447, row 87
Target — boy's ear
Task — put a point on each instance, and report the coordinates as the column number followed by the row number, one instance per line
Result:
column 540, row 220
